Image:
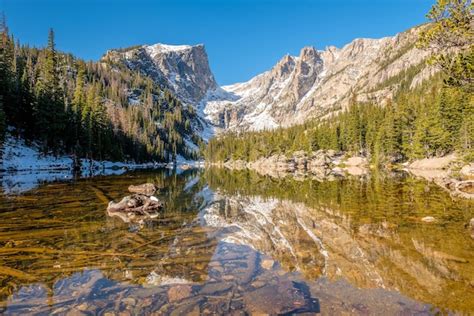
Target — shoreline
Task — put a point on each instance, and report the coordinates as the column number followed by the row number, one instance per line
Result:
column 23, row 166
column 18, row 156
column 448, row 172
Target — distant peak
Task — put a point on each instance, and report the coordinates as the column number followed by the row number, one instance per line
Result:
column 308, row 49
column 308, row 52
column 287, row 58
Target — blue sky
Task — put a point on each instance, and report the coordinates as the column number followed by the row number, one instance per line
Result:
column 242, row 37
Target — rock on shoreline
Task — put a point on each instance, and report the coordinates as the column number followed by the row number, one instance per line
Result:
column 322, row 164
column 448, row 171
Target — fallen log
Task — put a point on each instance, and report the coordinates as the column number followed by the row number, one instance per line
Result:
column 136, row 203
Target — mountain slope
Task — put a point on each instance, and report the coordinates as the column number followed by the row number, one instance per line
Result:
column 182, row 69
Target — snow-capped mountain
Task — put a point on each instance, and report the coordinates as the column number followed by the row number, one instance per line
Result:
column 314, row 84
column 183, row 69
column 318, row 83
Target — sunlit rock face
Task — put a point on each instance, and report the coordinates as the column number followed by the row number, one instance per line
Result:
column 323, row 242
column 318, row 83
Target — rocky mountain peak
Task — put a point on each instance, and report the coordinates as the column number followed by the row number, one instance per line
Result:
column 308, row 53
column 313, row 84
column 330, row 54
column 284, row 66
column 307, row 69
column 184, row 69
column 160, row 48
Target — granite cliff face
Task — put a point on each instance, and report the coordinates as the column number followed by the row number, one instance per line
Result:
column 315, row 84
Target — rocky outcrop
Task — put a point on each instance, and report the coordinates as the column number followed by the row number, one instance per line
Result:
column 321, row 165
column 436, row 163
column 136, row 204
column 283, row 164
column 467, row 171
column 449, row 172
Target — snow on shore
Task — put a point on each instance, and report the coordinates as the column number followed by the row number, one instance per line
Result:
column 23, row 166
column 19, row 156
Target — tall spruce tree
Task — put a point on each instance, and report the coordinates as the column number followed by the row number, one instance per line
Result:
column 465, row 143
column 6, row 61
column 50, row 103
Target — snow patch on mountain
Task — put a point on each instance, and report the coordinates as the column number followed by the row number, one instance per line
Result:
column 260, row 121
column 160, row 48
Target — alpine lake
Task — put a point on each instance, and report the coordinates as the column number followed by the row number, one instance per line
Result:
column 238, row 243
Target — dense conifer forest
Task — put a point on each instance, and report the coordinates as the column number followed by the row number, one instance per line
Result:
column 89, row 109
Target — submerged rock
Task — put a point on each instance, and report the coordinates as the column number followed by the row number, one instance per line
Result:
column 466, row 186
column 283, row 298
column 462, row 189
column 145, row 189
column 179, row 292
column 267, row 264
column 428, row 219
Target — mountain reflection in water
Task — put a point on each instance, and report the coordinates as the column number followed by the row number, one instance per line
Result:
column 233, row 242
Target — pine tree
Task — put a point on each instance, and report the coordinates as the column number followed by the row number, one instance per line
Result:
column 465, row 143
column 50, row 104
column 2, row 121
column 6, row 62
column 450, row 38
column 87, row 120
column 451, row 106
column 78, row 104
column 429, row 137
